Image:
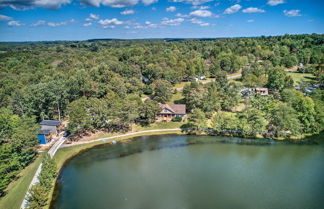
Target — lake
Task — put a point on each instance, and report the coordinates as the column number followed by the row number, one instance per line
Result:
column 193, row 172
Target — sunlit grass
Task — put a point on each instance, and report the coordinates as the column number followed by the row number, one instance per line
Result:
column 176, row 97
column 298, row 77
column 18, row 188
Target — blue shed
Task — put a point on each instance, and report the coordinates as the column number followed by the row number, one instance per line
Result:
column 42, row 136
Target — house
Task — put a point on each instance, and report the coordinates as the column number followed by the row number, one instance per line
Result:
column 198, row 78
column 170, row 111
column 52, row 125
column 49, row 128
column 246, row 92
column 202, row 77
column 261, row 91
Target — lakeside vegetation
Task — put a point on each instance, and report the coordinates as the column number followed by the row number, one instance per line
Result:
column 100, row 86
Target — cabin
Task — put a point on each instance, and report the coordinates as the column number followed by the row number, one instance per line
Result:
column 53, row 126
column 261, row 91
column 198, row 78
column 246, row 92
column 171, row 111
column 49, row 128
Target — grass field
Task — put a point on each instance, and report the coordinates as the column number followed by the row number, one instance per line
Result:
column 18, row 189
column 176, row 97
column 297, row 77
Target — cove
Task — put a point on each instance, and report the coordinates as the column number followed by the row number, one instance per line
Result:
column 162, row 172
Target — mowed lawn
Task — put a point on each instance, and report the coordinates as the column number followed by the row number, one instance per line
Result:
column 176, row 97
column 159, row 125
column 298, row 77
column 18, row 188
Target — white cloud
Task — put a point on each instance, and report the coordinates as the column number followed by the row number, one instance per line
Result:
column 201, row 13
column 94, row 16
column 127, row 12
column 181, row 15
column 52, row 24
column 148, row 2
column 87, row 24
column 116, row 3
column 199, row 22
column 110, row 3
column 29, row 4
column 275, row 2
column 56, row 24
column 56, row 4
column 171, row 9
column 172, row 22
column 151, row 25
column 39, row 23
column 200, row 7
column 193, row 2
column 233, row 9
column 14, row 23
column 110, row 23
column 251, row 20
column 292, row 13
column 5, row 18
column 253, row 10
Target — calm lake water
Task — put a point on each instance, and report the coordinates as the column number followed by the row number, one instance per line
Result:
column 161, row 172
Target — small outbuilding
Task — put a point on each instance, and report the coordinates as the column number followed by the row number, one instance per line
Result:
column 247, row 92
column 49, row 128
column 52, row 125
column 261, row 91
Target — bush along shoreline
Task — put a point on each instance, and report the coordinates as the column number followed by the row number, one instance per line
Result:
column 38, row 195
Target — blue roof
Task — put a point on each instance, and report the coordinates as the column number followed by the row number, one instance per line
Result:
column 50, row 122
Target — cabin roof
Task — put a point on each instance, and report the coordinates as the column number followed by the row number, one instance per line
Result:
column 50, row 123
column 45, row 132
column 174, row 108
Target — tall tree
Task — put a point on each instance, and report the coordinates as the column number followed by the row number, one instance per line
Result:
column 162, row 91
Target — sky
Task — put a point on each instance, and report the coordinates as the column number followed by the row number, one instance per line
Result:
column 48, row 20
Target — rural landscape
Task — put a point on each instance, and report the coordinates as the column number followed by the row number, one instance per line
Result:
column 150, row 121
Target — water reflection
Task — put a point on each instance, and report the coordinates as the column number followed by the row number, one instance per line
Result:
column 211, row 175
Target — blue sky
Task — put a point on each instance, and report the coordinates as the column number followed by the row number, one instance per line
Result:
column 39, row 20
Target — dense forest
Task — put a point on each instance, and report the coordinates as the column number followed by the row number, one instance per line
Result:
column 100, row 84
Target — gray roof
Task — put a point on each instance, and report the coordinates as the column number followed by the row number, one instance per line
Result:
column 50, row 123
column 45, row 131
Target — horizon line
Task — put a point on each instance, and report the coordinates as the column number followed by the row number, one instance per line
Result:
column 165, row 38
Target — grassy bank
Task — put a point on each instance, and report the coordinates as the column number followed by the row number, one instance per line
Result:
column 17, row 189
